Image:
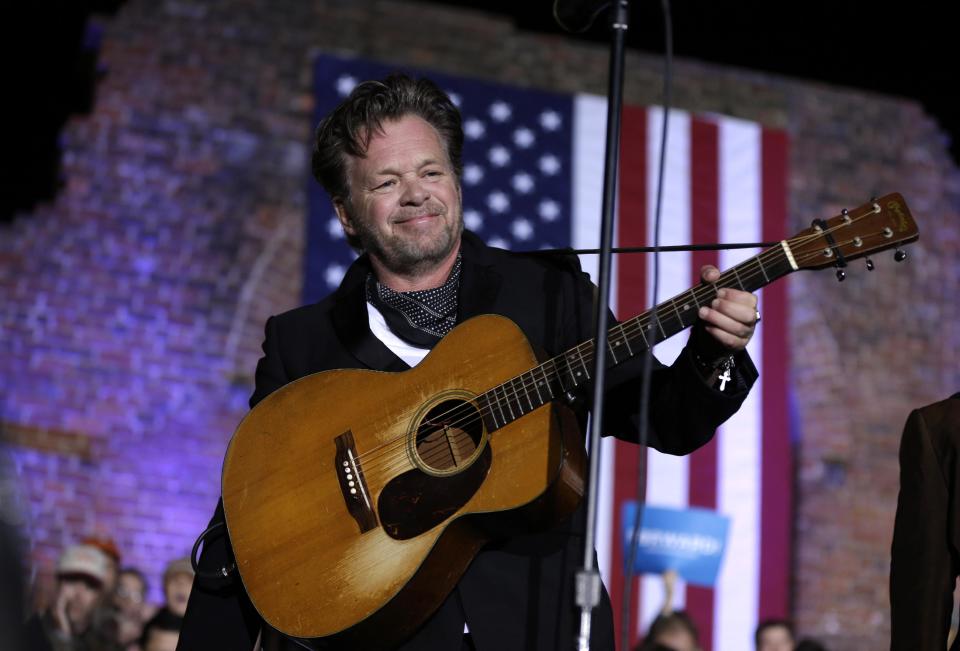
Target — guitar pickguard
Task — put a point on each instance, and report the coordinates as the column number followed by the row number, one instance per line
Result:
column 415, row 502
column 448, row 446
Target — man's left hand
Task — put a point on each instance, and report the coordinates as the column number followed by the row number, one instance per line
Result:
column 732, row 316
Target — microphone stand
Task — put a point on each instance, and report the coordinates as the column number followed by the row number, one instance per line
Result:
column 588, row 585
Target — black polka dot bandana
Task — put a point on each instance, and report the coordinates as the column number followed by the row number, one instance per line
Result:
column 421, row 317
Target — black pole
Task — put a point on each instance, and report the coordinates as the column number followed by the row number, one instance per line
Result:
column 588, row 578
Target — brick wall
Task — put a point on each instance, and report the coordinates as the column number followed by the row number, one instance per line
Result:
column 131, row 308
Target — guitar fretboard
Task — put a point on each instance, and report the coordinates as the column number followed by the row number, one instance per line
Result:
column 561, row 375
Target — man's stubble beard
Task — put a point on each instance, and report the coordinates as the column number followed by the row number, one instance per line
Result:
column 409, row 257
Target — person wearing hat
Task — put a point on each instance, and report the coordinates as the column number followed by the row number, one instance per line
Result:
column 82, row 574
column 177, row 582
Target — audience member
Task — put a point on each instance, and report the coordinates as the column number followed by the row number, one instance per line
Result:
column 673, row 631
column 177, row 582
column 82, row 572
column 112, row 552
column 131, row 607
column 809, row 644
column 106, row 618
column 774, row 635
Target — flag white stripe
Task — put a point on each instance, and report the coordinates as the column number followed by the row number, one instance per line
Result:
column 590, row 123
column 738, row 456
column 667, row 480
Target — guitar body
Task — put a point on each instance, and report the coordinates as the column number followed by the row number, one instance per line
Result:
column 356, row 499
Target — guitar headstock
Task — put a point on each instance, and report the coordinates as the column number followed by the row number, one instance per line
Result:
column 877, row 225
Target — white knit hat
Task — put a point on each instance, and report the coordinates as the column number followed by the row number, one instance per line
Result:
column 86, row 560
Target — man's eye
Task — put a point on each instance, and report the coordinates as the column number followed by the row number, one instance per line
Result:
column 385, row 185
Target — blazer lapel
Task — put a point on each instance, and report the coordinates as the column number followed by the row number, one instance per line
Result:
column 352, row 325
column 479, row 283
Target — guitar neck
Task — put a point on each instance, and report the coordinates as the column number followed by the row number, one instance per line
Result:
column 644, row 331
column 564, row 373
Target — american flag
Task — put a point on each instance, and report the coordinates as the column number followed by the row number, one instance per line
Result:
column 533, row 172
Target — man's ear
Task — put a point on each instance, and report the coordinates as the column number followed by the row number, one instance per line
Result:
column 340, row 206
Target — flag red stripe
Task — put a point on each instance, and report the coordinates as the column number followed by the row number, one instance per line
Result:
column 631, row 300
column 777, row 472
column 704, row 227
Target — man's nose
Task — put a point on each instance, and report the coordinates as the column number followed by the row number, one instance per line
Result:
column 414, row 192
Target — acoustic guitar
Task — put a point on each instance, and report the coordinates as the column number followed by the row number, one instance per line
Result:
column 356, row 499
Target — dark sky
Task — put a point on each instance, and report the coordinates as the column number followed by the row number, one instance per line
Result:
column 903, row 49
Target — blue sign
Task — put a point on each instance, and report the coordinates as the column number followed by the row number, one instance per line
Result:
column 689, row 541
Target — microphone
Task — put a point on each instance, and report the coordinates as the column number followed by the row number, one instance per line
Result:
column 576, row 16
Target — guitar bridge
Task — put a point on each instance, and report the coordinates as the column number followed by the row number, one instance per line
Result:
column 353, row 486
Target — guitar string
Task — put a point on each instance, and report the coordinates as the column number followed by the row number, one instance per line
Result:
column 629, row 329
column 469, row 413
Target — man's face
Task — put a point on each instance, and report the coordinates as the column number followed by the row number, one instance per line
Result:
column 80, row 596
column 775, row 638
column 129, row 595
column 404, row 202
column 176, row 589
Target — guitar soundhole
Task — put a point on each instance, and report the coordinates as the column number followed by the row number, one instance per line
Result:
column 449, row 435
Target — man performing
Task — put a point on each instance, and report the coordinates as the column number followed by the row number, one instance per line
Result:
column 390, row 158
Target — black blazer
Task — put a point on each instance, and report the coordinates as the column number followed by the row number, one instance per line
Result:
column 518, row 593
column 925, row 556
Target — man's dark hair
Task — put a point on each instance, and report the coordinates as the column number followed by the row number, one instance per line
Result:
column 164, row 620
column 132, row 571
column 348, row 129
column 771, row 623
column 665, row 623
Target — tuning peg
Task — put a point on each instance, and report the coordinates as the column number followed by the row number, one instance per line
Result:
column 900, row 255
column 869, row 264
column 841, row 274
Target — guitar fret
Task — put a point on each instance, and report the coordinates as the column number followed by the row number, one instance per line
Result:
column 646, row 343
column 586, row 371
column 507, row 399
column 486, row 410
column 503, row 416
column 635, row 327
column 546, row 380
column 659, row 325
column 611, row 348
column 526, row 392
column 536, row 384
column 737, row 274
column 571, row 373
column 516, row 397
column 673, row 304
column 762, row 270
